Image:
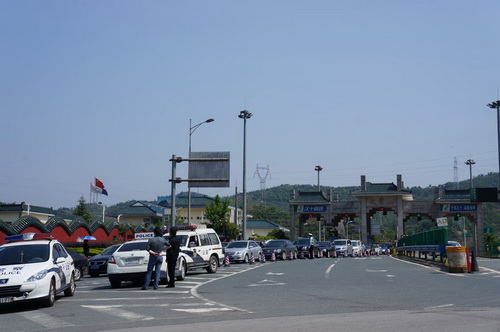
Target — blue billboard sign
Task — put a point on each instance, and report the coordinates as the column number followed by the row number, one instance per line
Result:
column 459, row 208
column 311, row 208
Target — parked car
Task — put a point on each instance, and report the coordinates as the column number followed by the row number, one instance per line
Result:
column 242, row 251
column 327, row 248
column 357, row 248
column 130, row 263
column 453, row 244
column 81, row 264
column 98, row 264
column 340, row 246
column 384, row 249
column 281, row 249
column 35, row 266
column 375, row 249
column 303, row 245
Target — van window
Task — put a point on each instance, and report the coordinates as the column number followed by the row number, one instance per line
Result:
column 214, row 238
column 193, row 238
column 204, row 239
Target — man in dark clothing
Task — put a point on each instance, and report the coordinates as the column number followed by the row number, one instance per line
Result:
column 155, row 246
column 86, row 249
column 172, row 255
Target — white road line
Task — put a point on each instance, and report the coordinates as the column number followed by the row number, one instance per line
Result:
column 130, row 298
column 47, row 321
column 274, row 273
column 440, row 306
column 327, row 272
column 120, row 313
column 202, row 310
column 375, row 270
column 390, row 275
column 266, row 282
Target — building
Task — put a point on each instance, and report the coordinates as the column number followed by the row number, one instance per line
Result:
column 263, row 227
column 10, row 213
column 141, row 213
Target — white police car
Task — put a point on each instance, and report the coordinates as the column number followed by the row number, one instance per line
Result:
column 34, row 266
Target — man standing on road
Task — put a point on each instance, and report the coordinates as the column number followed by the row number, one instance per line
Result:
column 312, row 243
column 156, row 245
column 172, row 255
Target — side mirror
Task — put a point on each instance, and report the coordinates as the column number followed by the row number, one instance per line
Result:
column 60, row 260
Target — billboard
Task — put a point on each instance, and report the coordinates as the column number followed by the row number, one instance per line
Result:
column 208, row 169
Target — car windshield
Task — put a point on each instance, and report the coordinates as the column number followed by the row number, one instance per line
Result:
column 134, row 246
column 302, row 241
column 28, row 254
column 237, row 245
column 355, row 243
column 339, row 242
column 109, row 250
column 275, row 244
column 324, row 243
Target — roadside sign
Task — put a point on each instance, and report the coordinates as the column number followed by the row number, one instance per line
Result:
column 442, row 222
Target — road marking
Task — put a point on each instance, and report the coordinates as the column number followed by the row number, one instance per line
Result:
column 375, row 270
column 327, row 272
column 47, row 321
column 266, row 282
column 202, row 310
column 274, row 273
column 120, row 313
column 440, row 306
column 130, row 298
column 390, row 275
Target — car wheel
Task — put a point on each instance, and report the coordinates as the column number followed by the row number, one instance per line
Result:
column 51, row 297
column 70, row 291
column 212, row 264
column 183, row 269
column 245, row 260
column 115, row 283
column 78, row 273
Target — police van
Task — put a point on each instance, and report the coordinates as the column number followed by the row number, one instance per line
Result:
column 201, row 248
column 35, row 266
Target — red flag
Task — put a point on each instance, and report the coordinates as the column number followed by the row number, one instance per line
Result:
column 98, row 183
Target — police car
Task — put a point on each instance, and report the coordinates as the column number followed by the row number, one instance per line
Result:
column 130, row 263
column 200, row 248
column 35, row 266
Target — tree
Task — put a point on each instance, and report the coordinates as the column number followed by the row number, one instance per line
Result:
column 278, row 234
column 216, row 212
column 81, row 210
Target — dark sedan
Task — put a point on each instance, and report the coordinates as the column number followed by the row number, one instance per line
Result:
column 98, row 264
column 327, row 248
column 282, row 249
column 303, row 245
column 81, row 267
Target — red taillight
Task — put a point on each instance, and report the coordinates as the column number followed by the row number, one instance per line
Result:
column 111, row 260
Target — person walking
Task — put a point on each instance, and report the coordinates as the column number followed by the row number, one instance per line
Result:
column 86, row 249
column 156, row 245
column 312, row 243
column 172, row 255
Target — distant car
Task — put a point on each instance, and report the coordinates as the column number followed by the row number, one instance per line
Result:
column 242, row 251
column 81, row 264
column 453, row 244
column 327, row 248
column 35, row 266
column 375, row 249
column 303, row 245
column 357, row 248
column 384, row 249
column 282, row 249
column 98, row 264
column 340, row 246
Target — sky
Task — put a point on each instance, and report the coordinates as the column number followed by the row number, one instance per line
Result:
column 107, row 89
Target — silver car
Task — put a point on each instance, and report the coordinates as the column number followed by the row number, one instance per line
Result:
column 242, row 251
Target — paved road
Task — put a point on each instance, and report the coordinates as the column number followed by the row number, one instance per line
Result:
column 373, row 294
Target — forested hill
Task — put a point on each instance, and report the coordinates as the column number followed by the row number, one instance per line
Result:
column 278, row 197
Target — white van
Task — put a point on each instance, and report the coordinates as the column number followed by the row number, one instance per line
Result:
column 202, row 248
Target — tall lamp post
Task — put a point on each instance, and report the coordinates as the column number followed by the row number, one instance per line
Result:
column 103, row 210
column 470, row 162
column 191, row 131
column 244, row 115
column 496, row 104
column 318, row 169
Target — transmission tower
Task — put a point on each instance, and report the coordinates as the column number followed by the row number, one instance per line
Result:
column 455, row 173
column 262, row 178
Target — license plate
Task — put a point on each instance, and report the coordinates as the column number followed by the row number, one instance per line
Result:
column 94, row 267
column 132, row 261
column 6, row 299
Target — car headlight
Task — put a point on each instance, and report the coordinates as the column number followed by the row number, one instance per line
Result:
column 38, row 276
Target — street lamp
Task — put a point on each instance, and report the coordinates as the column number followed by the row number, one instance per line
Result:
column 318, row 169
column 470, row 162
column 118, row 218
column 244, row 115
column 496, row 104
column 191, row 131
column 347, row 229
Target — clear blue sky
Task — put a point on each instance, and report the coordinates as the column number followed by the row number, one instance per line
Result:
column 378, row 88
